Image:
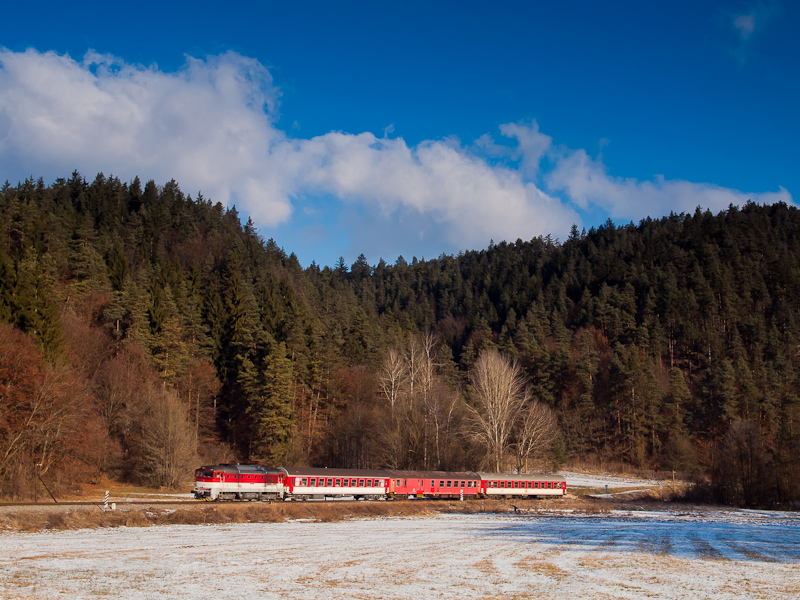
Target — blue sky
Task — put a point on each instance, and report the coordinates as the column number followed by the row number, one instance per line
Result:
column 411, row 128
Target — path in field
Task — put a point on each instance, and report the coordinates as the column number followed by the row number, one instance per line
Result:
column 722, row 554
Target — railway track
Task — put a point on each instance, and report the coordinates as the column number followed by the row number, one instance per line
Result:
column 13, row 507
column 123, row 504
column 99, row 503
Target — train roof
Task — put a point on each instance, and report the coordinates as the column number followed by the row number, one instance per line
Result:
column 324, row 472
column 434, row 475
column 519, row 477
column 238, row 468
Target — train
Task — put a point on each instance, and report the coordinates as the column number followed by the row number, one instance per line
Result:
column 255, row 482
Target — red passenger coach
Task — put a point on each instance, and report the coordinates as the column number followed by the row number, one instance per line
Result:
column 434, row 484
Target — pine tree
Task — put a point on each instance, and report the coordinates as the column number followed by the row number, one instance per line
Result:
column 270, row 396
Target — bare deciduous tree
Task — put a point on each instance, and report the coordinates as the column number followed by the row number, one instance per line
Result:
column 499, row 393
column 168, row 453
column 537, row 429
column 422, row 408
column 392, row 378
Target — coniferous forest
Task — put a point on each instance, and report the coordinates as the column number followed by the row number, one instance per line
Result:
column 144, row 331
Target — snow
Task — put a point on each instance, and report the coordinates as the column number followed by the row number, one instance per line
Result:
column 584, row 480
column 696, row 553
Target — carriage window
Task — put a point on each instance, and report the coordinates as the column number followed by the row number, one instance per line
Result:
column 462, row 484
column 549, row 485
column 338, row 482
column 303, row 481
column 449, row 483
column 494, row 484
column 369, row 482
column 313, row 481
column 345, row 483
column 441, row 484
column 397, row 483
column 536, row 485
column 516, row 484
column 329, row 482
column 361, row 483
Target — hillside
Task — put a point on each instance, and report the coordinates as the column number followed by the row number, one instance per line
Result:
column 135, row 315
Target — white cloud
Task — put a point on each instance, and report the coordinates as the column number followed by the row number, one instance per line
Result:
column 587, row 183
column 469, row 199
column 207, row 125
column 745, row 25
column 532, row 145
column 212, row 126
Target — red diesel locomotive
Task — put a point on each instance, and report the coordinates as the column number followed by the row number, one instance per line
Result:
column 254, row 482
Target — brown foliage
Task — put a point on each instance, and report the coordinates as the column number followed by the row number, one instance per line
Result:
column 43, row 419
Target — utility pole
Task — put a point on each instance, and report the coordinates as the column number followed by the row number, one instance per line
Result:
column 35, row 480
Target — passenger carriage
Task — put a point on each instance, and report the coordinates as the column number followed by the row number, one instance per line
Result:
column 305, row 483
column 496, row 485
column 434, row 484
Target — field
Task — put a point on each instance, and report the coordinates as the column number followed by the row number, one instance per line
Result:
column 537, row 552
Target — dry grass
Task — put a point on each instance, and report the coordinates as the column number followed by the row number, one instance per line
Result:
column 543, row 566
column 258, row 512
column 324, row 512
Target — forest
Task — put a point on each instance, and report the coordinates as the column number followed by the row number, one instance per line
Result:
column 144, row 332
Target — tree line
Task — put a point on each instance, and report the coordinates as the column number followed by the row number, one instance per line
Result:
column 668, row 344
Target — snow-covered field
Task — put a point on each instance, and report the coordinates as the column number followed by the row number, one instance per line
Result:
column 695, row 554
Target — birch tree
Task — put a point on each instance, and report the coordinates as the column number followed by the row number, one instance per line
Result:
column 537, row 429
column 499, row 393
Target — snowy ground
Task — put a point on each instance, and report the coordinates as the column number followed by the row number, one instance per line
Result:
column 694, row 554
column 584, row 480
